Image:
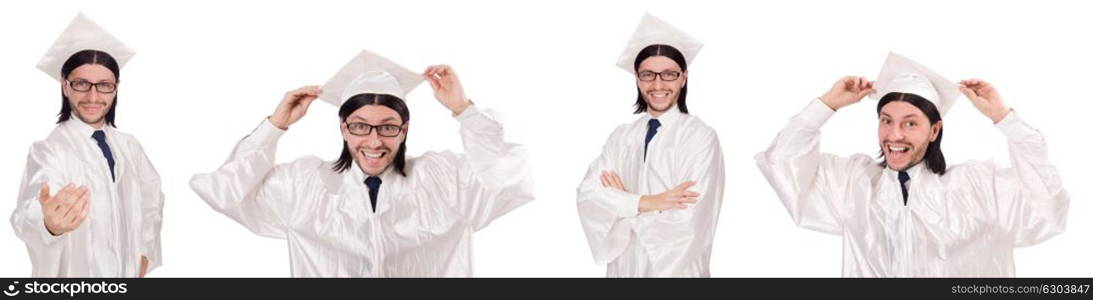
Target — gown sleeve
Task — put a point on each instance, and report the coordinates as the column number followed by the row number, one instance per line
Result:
column 676, row 238
column 491, row 178
column 607, row 214
column 27, row 220
column 812, row 185
column 151, row 214
column 1032, row 203
column 249, row 187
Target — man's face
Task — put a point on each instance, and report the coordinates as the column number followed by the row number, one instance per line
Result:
column 904, row 132
column 91, row 105
column 373, row 152
column 658, row 93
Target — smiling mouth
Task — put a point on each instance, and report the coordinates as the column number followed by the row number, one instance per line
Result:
column 898, row 149
column 373, row 155
column 660, row 94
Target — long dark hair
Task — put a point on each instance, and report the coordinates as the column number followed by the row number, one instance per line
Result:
column 356, row 102
column 86, row 57
column 934, row 159
column 667, row 51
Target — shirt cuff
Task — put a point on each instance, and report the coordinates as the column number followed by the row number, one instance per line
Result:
column 816, row 114
column 48, row 238
column 266, row 133
column 629, row 206
column 1013, row 127
column 468, row 113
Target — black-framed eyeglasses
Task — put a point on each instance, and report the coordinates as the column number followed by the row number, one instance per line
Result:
column 362, row 129
column 84, row 86
column 668, row 75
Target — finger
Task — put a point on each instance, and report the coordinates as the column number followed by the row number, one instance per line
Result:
column 617, row 181
column 450, row 73
column 79, row 214
column 685, row 186
column 294, row 93
column 607, row 182
column 296, row 97
column 62, row 197
column 304, row 90
column 984, row 87
column 603, row 180
column 43, row 194
column 86, row 210
column 614, row 182
column 305, row 102
column 613, row 177
column 308, row 89
column 309, row 95
column 441, row 69
column 74, row 209
column 691, row 194
column 865, row 85
column 80, row 192
column 433, row 82
column 844, row 83
column 76, row 195
column 864, row 89
column 970, row 93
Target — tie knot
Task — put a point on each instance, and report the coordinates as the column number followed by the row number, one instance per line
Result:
column 99, row 135
column 373, row 182
column 654, row 124
column 903, row 177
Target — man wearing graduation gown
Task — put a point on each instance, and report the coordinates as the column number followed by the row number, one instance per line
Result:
column 373, row 213
column 649, row 203
column 910, row 215
column 90, row 203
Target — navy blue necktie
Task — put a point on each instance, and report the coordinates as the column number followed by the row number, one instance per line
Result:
column 903, row 178
column 373, row 184
column 653, row 125
column 100, row 138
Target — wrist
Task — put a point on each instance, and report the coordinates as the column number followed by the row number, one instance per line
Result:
column 644, row 203
column 999, row 116
column 458, row 109
column 825, row 99
column 280, row 124
column 50, row 231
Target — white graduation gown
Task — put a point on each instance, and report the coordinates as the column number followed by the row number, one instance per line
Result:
column 962, row 224
column 125, row 217
column 675, row 242
column 423, row 222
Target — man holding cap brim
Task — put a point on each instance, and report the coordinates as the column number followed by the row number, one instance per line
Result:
column 910, row 214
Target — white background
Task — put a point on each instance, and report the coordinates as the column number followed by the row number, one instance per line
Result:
column 207, row 72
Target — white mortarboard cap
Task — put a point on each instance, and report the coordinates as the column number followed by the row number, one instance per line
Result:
column 904, row 75
column 82, row 34
column 652, row 31
column 369, row 73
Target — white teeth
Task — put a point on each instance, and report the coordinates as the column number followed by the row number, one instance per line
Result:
column 373, row 155
column 897, row 149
